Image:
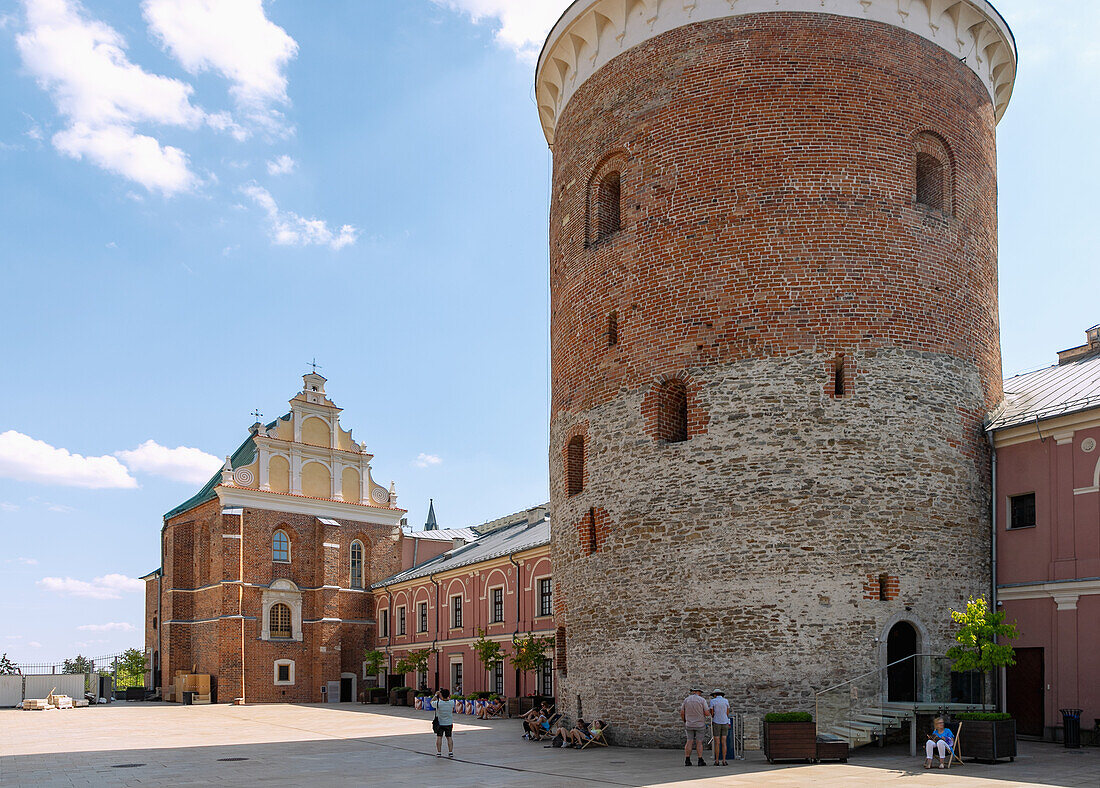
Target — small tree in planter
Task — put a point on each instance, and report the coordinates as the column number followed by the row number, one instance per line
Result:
column 489, row 652
column 414, row 662
column 373, row 662
column 989, row 736
column 790, row 736
column 529, row 655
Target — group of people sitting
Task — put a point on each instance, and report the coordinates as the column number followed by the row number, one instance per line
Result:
column 491, row 710
column 541, row 723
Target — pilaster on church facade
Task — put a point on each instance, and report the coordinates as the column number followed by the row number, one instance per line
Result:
column 265, row 571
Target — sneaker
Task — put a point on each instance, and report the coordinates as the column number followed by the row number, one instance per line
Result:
column 687, row 761
column 716, row 763
column 439, row 755
column 450, row 755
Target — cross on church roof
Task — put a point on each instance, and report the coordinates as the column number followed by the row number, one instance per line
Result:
column 315, row 365
column 259, row 416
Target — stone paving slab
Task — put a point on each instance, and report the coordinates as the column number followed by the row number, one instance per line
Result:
column 355, row 745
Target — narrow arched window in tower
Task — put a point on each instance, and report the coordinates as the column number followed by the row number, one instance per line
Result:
column 279, row 621
column 574, row 466
column 356, row 564
column 934, row 187
column 613, row 329
column 608, row 205
column 672, row 412
column 839, row 383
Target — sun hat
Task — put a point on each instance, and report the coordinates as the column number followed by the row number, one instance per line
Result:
column 718, row 692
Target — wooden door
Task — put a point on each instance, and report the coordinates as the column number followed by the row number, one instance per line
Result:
column 1025, row 691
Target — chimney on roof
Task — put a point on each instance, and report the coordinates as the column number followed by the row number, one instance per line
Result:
column 536, row 514
column 1091, row 346
column 457, row 542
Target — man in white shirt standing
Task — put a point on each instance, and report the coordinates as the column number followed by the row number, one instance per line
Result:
column 694, row 712
column 720, row 725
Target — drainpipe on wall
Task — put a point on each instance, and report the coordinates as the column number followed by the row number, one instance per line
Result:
column 515, row 635
column 435, row 639
column 160, row 619
column 993, row 558
column 389, row 638
column 240, row 600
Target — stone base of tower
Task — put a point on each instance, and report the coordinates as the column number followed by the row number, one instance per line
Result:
column 769, row 555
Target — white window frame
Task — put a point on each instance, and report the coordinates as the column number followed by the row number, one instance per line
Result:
column 546, row 672
column 275, row 674
column 402, row 621
column 492, row 619
column 421, row 617
column 538, row 596
column 498, row 677
column 289, row 555
column 351, row 565
column 456, row 660
column 286, row 592
column 384, row 622
column 456, row 609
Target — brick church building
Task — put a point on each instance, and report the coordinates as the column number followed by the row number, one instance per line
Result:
column 266, row 572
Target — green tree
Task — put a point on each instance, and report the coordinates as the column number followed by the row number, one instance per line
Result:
column 78, row 664
column 131, row 669
column 530, row 652
column 415, row 661
column 489, row 652
column 373, row 661
column 977, row 647
column 7, row 667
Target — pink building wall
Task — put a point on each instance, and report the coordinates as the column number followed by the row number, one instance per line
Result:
column 519, row 582
column 1048, row 576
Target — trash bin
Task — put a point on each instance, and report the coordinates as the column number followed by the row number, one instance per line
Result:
column 189, row 700
column 1071, row 728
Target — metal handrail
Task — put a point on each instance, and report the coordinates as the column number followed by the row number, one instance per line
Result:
column 877, row 670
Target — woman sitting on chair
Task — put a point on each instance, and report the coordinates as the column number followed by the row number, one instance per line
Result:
column 942, row 739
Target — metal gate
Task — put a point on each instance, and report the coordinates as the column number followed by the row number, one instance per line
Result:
column 11, row 690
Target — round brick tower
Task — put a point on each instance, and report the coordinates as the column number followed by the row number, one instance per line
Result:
column 774, row 339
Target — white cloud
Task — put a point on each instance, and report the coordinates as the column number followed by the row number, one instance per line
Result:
column 234, row 38
column 28, row 460
column 82, row 64
column 60, row 507
column 23, row 561
column 111, row 586
column 5, row 506
column 34, row 644
column 281, row 166
column 114, row 626
column 182, row 464
column 521, row 25
column 290, row 229
column 426, row 460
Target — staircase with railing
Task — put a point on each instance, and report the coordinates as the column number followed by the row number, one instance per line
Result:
column 866, row 708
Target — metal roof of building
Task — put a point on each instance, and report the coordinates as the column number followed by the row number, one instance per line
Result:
column 513, row 539
column 445, row 535
column 1050, row 392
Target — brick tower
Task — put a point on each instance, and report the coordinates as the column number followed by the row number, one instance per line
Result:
column 774, row 339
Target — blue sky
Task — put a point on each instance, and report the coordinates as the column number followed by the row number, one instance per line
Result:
column 191, row 216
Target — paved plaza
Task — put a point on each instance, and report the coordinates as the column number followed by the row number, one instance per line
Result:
column 350, row 744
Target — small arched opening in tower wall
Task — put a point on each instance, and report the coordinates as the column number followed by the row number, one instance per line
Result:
column 574, row 465
column 613, row 329
column 605, row 198
column 935, row 173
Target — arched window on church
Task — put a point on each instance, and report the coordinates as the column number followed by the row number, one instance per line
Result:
column 280, row 547
column 279, row 622
column 608, row 206
column 356, row 564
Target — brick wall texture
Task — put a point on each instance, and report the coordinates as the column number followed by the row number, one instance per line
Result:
column 209, row 625
column 770, row 236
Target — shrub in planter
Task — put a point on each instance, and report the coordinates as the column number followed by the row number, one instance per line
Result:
column 987, row 736
column 790, row 736
column 399, row 696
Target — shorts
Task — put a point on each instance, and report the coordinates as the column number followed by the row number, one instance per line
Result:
column 445, row 730
column 695, row 734
column 720, row 729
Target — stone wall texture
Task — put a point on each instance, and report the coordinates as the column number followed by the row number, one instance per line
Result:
column 770, row 236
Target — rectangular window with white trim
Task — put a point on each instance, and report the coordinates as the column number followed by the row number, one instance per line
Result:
column 401, row 620
column 546, row 601
column 384, row 624
column 422, row 617
column 498, row 677
column 1021, row 511
column 496, row 605
column 456, row 612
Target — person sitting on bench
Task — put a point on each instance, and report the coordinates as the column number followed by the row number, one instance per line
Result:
column 942, row 739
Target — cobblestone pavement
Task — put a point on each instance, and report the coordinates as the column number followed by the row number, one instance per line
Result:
column 146, row 744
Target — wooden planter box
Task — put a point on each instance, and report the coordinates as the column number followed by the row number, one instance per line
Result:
column 518, row 706
column 832, row 750
column 790, row 741
column 401, row 698
column 989, row 741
